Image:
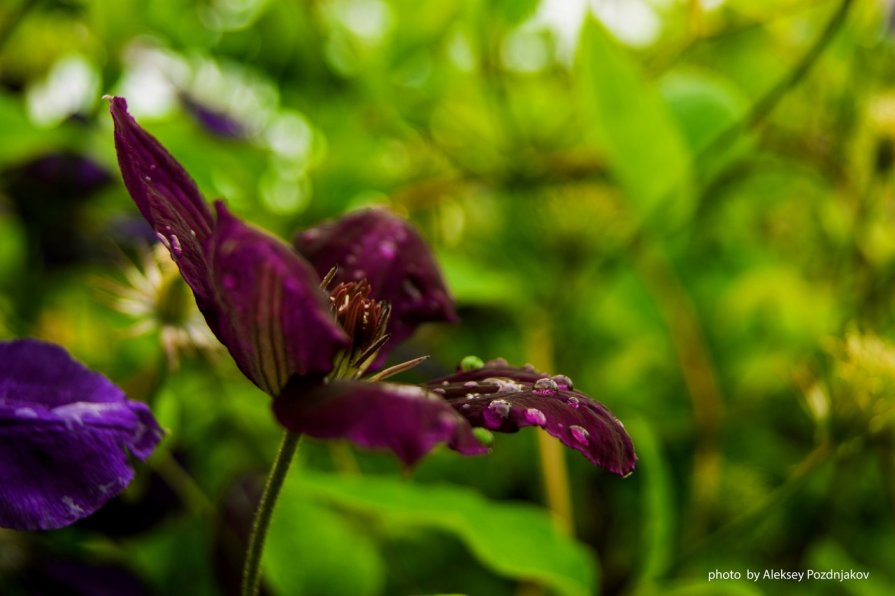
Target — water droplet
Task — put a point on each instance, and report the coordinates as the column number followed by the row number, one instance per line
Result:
column 465, row 406
column 175, row 246
column 497, row 362
column 528, row 367
column 580, row 434
column 535, row 416
column 152, row 166
column 563, row 381
column 471, row 363
column 545, row 386
column 473, row 395
column 573, row 402
column 470, row 384
column 439, row 390
column 504, row 385
column 147, row 178
column 163, row 239
column 496, row 412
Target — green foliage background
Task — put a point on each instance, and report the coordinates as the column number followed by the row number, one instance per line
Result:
column 693, row 220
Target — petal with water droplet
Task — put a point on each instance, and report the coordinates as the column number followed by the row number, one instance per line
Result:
column 513, row 398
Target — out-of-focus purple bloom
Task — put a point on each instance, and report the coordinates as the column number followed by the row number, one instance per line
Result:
column 375, row 245
column 65, row 434
column 265, row 303
column 212, row 120
column 502, row 398
column 49, row 193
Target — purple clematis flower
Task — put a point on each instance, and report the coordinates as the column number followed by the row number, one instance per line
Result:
column 64, row 436
column 299, row 343
column 308, row 343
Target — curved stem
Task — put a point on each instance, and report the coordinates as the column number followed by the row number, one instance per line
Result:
column 766, row 104
column 251, row 574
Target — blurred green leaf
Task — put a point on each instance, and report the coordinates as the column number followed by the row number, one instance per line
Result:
column 645, row 149
column 519, row 541
column 313, row 550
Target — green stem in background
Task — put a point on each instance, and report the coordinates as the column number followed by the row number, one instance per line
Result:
column 750, row 520
column 766, row 104
column 251, row 575
column 697, row 369
column 554, row 472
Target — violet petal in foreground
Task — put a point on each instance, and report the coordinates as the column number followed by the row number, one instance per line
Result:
column 406, row 419
column 504, row 399
column 390, row 254
column 65, row 433
column 169, row 200
column 273, row 316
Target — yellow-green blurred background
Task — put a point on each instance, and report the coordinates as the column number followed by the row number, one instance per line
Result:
column 685, row 205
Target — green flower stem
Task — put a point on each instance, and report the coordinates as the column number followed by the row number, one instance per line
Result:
column 251, row 574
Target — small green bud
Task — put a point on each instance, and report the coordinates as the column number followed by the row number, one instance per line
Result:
column 471, row 363
column 485, row 436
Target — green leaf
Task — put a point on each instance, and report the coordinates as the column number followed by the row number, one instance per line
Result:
column 645, row 150
column 311, row 549
column 514, row 540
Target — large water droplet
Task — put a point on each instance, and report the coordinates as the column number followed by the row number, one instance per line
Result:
column 496, row 412
column 580, row 434
column 562, row 381
column 535, row 416
column 573, row 402
column 163, row 239
column 470, row 384
column 504, row 385
column 176, row 249
column 545, row 386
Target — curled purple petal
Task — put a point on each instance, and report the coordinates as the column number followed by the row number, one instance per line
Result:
column 64, row 435
column 502, row 398
column 273, row 316
column 387, row 251
column 168, row 199
column 406, row 419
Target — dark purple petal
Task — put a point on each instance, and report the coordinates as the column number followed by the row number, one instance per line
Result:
column 403, row 418
column 64, row 436
column 388, row 252
column 504, row 399
column 168, row 199
column 273, row 316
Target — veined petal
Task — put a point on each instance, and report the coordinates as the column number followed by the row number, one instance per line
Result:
column 273, row 316
column 389, row 253
column 406, row 419
column 64, row 436
column 504, row 399
column 169, row 200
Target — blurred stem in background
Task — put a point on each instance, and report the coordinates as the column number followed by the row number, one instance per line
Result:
column 554, row 470
column 698, row 370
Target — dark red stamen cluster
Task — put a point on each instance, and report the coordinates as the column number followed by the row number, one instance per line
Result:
column 362, row 318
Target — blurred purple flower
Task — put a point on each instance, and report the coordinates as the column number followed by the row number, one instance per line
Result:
column 64, row 436
column 308, row 349
column 216, row 122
